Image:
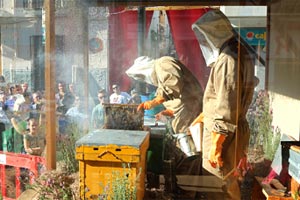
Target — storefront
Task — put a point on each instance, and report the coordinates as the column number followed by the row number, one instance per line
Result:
column 92, row 43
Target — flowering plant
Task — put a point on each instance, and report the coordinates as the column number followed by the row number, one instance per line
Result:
column 262, row 132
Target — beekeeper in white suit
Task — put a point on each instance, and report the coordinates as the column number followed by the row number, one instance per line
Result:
column 227, row 97
column 177, row 89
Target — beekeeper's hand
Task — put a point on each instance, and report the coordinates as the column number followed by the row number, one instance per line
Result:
column 147, row 105
column 163, row 113
column 215, row 154
column 199, row 119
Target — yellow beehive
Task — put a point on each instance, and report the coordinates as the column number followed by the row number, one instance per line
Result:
column 107, row 157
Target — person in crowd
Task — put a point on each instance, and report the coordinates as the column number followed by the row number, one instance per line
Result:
column 4, row 121
column 118, row 97
column 2, row 79
column 77, row 110
column 36, row 105
column 64, row 99
column 34, row 140
column 98, row 112
column 14, row 91
column 72, row 88
column 25, row 88
column 3, row 85
column 135, row 97
column 180, row 93
column 21, row 113
column 3, row 99
column 76, row 114
column 22, row 103
column 227, row 97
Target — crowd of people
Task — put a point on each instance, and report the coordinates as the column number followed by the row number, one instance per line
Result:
column 22, row 111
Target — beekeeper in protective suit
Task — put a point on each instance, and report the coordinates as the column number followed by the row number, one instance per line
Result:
column 227, row 97
column 177, row 89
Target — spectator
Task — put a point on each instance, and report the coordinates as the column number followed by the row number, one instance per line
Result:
column 21, row 113
column 77, row 110
column 135, row 97
column 76, row 114
column 3, row 85
column 24, row 87
column 3, row 105
column 118, row 97
column 64, row 99
column 98, row 113
column 72, row 89
column 3, row 117
column 34, row 140
column 36, row 105
column 11, row 98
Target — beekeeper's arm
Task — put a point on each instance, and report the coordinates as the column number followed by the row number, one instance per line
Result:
column 147, row 105
column 168, row 75
column 167, row 112
column 225, row 110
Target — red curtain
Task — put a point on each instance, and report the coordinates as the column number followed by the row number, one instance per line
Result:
column 123, row 41
column 186, row 43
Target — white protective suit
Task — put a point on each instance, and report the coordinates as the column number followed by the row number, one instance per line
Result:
column 227, row 95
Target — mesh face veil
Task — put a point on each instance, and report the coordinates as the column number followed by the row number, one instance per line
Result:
column 212, row 30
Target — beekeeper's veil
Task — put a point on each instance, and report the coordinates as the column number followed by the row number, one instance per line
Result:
column 142, row 69
column 212, row 30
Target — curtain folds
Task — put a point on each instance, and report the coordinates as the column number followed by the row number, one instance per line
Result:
column 123, row 41
column 186, row 43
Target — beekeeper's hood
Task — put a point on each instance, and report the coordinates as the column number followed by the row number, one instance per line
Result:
column 212, row 30
column 142, row 69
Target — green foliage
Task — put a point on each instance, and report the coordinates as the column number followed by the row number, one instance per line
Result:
column 260, row 119
column 66, row 148
column 122, row 186
column 53, row 185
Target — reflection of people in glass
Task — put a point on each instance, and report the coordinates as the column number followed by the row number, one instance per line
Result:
column 135, row 97
column 34, row 140
column 227, row 97
column 118, row 97
column 98, row 113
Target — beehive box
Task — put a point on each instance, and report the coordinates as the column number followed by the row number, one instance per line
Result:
column 294, row 162
column 106, row 156
column 123, row 116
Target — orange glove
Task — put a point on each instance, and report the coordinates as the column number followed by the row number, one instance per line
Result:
column 199, row 119
column 215, row 154
column 166, row 112
column 147, row 105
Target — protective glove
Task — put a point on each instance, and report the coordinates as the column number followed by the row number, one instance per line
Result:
column 199, row 119
column 215, row 154
column 166, row 112
column 147, row 105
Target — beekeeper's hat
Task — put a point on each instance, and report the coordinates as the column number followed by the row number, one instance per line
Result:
column 142, row 69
